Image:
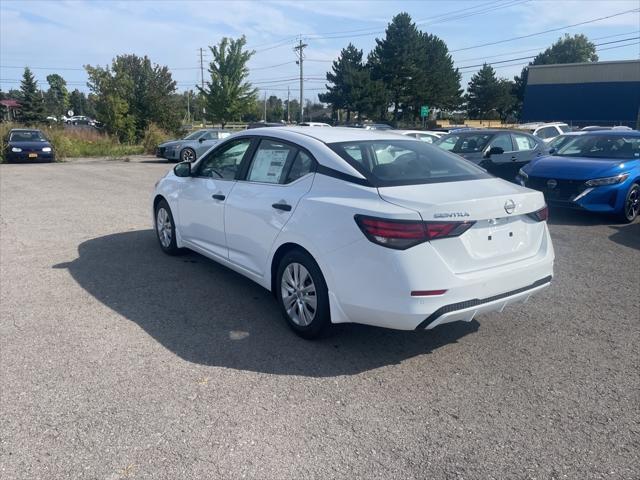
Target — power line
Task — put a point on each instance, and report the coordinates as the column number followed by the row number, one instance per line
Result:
column 445, row 17
column 532, row 56
column 545, row 31
column 539, row 49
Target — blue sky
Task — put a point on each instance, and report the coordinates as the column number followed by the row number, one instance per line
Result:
column 62, row 36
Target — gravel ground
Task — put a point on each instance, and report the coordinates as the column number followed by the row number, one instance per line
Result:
column 117, row 361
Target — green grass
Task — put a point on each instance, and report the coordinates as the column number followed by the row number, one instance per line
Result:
column 68, row 143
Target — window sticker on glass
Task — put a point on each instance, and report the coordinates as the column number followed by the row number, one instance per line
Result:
column 268, row 165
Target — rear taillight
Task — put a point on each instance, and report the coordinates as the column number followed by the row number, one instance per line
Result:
column 403, row 234
column 541, row 215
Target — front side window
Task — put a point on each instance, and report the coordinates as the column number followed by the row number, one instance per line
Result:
column 614, row 147
column 224, row 162
column 270, row 162
column 547, row 132
column 406, row 162
column 524, row 142
column 503, row 141
column 467, row 143
column 194, row 135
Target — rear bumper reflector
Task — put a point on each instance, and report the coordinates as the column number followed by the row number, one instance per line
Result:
column 476, row 301
column 427, row 293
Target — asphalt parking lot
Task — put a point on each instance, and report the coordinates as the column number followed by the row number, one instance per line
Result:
column 117, row 361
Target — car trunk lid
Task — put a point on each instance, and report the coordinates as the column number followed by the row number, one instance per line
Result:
column 502, row 233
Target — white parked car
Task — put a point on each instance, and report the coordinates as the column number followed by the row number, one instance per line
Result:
column 314, row 124
column 546, row 131
column 349, row 225
column 425, row 136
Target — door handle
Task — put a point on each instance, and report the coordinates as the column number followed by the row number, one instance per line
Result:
column 514, row 158
column 218, row 196
column 282, row 206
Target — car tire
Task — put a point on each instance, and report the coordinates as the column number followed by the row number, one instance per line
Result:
column 165, row 228
column 303, row 295
column 188, row 155
column 631, row 206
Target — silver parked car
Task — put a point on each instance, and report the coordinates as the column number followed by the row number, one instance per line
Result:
column 501, row 152
column 192, row 146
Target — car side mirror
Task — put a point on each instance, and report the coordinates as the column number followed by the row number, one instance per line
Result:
column 552, row 151
column 201, row 139
column 494, row 151
column 182, row 169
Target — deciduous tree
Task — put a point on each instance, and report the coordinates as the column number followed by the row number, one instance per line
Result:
column 228, row 94
column 568, row 49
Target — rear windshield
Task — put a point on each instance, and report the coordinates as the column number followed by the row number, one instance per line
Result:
column 388, row 163
column 465, row 142
column 564, row 128
column 615, row 147
column 27, row 136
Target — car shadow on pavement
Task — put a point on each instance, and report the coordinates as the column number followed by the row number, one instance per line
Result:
column 566, row 216
column 627, row 235
column 208, row 314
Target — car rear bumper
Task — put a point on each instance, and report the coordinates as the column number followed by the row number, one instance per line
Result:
column 466, row 311
column 380, row 292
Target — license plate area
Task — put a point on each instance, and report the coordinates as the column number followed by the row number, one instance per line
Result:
column 33, row 155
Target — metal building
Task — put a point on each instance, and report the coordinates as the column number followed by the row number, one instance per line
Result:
column 597, row 93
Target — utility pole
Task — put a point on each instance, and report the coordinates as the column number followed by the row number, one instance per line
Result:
column 265, row 106
column 204, row 122
column 300, row 50
column 288, row 104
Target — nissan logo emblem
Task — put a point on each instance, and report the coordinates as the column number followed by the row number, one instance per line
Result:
column 552, row 183
column 509, row 206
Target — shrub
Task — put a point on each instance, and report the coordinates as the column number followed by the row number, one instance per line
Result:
column 153, row 135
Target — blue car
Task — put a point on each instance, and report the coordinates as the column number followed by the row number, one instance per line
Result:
column 594, row 171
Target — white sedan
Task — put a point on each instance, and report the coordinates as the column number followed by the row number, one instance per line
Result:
column 348, row 225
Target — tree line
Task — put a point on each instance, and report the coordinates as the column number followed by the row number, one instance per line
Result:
column 405, row 70
column 409, row 68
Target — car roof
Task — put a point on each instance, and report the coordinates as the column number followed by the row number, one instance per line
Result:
column 475, row 131
column 25, row 130
column 612, row 133
column 316, row 139
column 415, row 131
column 327, row 135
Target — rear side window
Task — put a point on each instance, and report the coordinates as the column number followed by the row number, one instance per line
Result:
column 406, row 162
column 302, row 165
column 269, row 162
column 524, row 142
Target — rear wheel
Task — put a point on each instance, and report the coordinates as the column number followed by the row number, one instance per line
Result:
column 188, row 155
column 166, row 228
column 631, row 206
column 302, row 294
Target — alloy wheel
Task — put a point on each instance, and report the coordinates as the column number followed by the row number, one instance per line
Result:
column 632, row 205
column 188, row 155
column 299, row 294
column 163, row 226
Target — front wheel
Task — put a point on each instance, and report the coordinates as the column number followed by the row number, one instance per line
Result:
column 166, row 228
column 302, row 294
column 631, row 206
column 188, row 155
